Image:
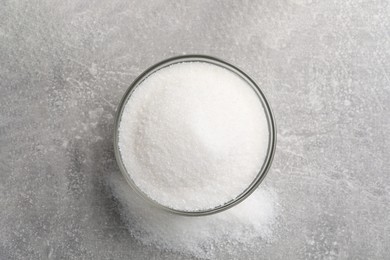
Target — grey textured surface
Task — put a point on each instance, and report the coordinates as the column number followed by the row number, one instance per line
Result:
column 324, row 65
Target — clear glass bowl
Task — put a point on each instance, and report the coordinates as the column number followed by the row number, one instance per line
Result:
column 271, row 127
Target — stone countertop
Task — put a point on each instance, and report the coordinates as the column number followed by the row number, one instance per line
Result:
column 324, row 65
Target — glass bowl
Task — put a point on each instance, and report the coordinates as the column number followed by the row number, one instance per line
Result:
column 271, row 128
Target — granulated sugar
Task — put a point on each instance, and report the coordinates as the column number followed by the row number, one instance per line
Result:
column 234, row 231
column 193, row 136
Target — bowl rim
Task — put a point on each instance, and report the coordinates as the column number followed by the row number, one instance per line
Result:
column 267, row 109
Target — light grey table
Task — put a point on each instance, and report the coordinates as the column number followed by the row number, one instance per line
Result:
column 324, row 65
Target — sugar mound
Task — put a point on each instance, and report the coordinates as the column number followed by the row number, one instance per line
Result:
column 234, row 230
column 193, row 136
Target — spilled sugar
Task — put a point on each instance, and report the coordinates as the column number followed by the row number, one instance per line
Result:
column 234, row 230
column 194, row 136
